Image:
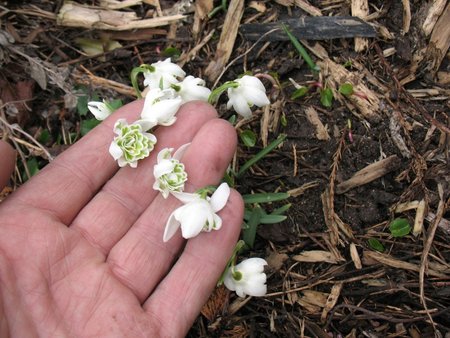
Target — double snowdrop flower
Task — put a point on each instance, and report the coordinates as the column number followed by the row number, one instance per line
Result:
column 246, row 92
column 169, row 173
column 100, row 110
column 247, row 278
column 131, row 144
column 197, row 214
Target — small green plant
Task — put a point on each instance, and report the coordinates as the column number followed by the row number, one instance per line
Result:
column 375, row 244
column 248, row 137
column 400, row 227
column 326, row 97
column 346, row 89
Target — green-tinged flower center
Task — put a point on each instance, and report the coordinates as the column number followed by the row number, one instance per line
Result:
column 237, row 275
column 133, row 143
column 174, row 181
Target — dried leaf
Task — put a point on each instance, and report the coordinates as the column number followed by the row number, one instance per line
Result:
column 37, row 72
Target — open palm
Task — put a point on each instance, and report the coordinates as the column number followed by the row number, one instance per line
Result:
column 81, row 250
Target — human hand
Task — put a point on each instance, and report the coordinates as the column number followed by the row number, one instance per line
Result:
column 81, row 250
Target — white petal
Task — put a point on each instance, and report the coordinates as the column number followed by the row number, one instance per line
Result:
column 172, row 226
column 220, row 197
column 122, row 162
column 256, row 289
column 229, row 281
column 118, row 125
column 217, row 222
column 115, row 150
column 185, row 197
column 180, row 151
column 251, row 265
column 146, row 124
column 240, row 290
column 164, row 154
column 162, row 168
column 252, row 81
column 256, row 97
column 241, row 106
column 99, row 109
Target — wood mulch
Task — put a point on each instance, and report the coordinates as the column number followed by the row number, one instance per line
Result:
column 376, row 155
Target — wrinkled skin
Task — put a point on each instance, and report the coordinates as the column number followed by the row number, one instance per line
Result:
column 81, row 250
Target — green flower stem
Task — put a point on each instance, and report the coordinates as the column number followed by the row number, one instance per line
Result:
column 261, row 154
column 134, row 74
column 215, row 94
column 232, row 261
column 223, row 6
column 301, row 50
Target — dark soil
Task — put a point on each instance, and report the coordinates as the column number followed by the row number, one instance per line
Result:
column 377, row 300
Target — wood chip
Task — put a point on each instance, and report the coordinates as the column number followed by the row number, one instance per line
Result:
column 360, row 9
column 420, row 216
column 396, row 263
column 75, row 15
column 369, row 173
column 355, row 256
column 440, row 38
column 308, row 8
column 406, row 16
column 227, row 39
column 315, row 256
column 313, row 118
column 434, row 12
column 331, row 300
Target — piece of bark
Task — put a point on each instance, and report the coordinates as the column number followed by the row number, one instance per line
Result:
column 369, row 173
column 337, row 75
column 227, row 39
column 310, row 28
column 75, row 15
column 115, row 4
column 434, row 12
column 440, row 39
column 202, row 8
column 313, row 118
column 360, row 8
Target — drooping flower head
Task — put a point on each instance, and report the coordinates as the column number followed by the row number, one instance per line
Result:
column 192, row 88
column 247, row 278
column 197, row 214
column 169, row 172
column 161, row 106
column 100, row 110
column 131, row 144
column 249, row 91
column 163, row 74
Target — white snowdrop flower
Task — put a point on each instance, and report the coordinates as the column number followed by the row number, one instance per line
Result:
column 100, row 110
column 131, row 144
column 192, row 88
column 169, row 173
column 161, row 106
column 247, row 278
column 163, row 74
column 248, row 92
column 197, row 214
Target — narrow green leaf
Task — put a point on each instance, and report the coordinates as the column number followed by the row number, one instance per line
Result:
column 281, row 210
column 399, row 227
column 326, row 97
column 261, row 154
column 265, row 197
column 248, row 137
column 249, row 234
column 301, row 50
column 302, row 91
column 346, row 89
column 283, row 120
column 375, row 244
column 272, row 219
column 87, row 125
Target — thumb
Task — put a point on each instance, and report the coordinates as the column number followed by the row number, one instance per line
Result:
column 7, row 163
